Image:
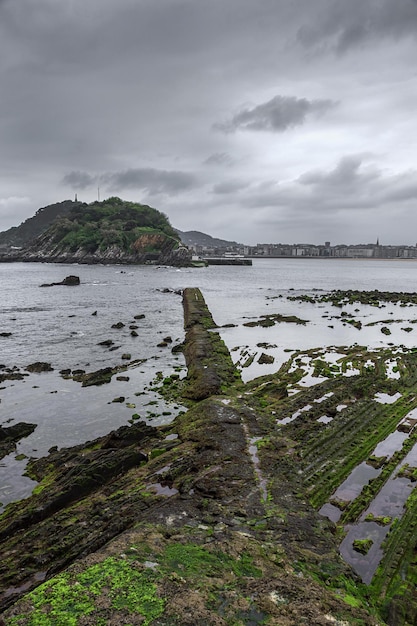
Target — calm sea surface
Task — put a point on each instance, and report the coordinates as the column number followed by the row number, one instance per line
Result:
column 57, row 325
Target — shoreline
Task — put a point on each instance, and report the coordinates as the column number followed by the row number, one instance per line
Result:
column 224, row 499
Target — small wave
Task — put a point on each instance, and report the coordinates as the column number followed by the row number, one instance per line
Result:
column 24, row 309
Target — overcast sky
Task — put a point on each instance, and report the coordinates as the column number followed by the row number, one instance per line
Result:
column 252, row 120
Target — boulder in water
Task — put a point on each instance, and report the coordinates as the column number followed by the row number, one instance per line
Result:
column 68, row 280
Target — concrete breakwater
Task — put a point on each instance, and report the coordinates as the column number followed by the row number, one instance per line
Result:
column 227, row 261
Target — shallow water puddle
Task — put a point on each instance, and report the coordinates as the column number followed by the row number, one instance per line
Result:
column 162, row 490
column 364, row 473
column 409, row 422
column 354, row 483
column 389, row 503
column 391, row 369
column 323, row 398
column 14, row 485
column 325, row 419
column 287, row 420
column 253, row 452
column 385, row 398
column 331, row 511
column 340, row 407
column 37, row 578
column 364, row 564
column 391, row 444
column 171, row 437
column 163, row 470
column 411, row 458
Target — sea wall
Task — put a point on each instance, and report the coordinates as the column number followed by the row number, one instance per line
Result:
column 210, row 367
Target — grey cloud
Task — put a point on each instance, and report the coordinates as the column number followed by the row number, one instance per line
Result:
column 219, row 158
column 230, row 186
column 124, row 94
column 277, row 115
column 79, row 180
column 176, row 32
column 353, row 185
column 403, row 188
column 153, row 181
column 343, row 25
column 347, row 172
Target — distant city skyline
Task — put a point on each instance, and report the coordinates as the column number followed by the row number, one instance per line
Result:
column 204, row 242
column 311, row 250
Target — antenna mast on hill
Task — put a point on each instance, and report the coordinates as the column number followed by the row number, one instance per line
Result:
column 98, row 193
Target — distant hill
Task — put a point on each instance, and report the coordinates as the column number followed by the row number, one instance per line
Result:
column 195, row 238
column 112, row 231
column 36, row 225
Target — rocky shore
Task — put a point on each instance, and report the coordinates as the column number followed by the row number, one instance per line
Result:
column 207, row 521
column 9, row 435
column 46, row 253
column 108, row 232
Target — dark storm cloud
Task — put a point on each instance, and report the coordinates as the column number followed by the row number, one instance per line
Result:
column 153, row 181
column 276, row 115
column 101, row 32
column 342, row 25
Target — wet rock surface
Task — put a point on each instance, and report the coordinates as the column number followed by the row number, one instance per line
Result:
column 39, row 367
column 9, row 435
column 185, row 524
column 11, row 373
column 69, row 281
column 215, row 517
column 207, row 358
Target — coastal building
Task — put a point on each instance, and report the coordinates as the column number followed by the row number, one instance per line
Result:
column 306, row 250
column 361, row 251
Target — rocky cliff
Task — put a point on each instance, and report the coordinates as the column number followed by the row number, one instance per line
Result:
column 112, row 231
column 148, row 248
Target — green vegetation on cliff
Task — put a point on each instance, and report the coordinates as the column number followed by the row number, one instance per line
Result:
column 112, row 231
column 111, row 222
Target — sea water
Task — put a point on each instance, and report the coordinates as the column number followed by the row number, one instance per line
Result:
column 64, row 326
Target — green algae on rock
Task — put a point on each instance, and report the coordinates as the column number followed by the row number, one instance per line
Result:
column 208, row 532
column 210, row 367
column 10, row 435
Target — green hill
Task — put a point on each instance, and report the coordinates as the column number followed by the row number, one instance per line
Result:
column 112, row 231
column 196, row 238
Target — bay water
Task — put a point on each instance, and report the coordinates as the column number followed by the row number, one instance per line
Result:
column 64, row 326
